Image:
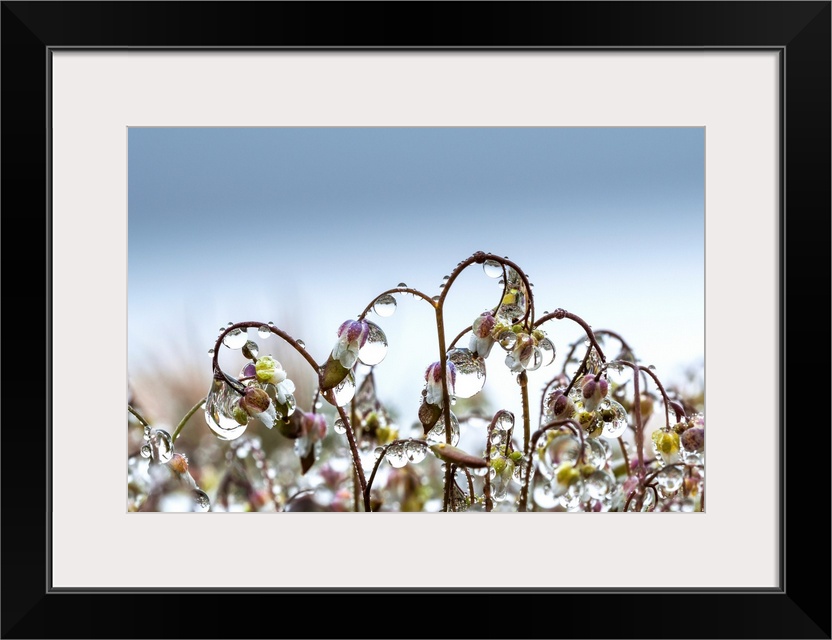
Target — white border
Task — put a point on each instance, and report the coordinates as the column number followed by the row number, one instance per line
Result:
column 96, row 95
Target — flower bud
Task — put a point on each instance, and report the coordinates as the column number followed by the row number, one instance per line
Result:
column 178, row 463
column 457, row 456
column 694, row 440
column 428, row 415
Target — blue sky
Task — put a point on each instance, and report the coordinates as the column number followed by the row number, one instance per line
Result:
column 305, row 226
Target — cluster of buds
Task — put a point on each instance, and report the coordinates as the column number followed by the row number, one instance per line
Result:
column 525, row 350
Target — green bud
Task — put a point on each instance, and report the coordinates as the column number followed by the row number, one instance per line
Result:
column 567, row 474
column 240, row 414
column 332, row 374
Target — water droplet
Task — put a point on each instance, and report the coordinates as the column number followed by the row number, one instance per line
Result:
column 270, row 323
column 599, row 484
column 670, row 479
column 219, row 411
column 435, row 298
column 687, row 505
column 264, row 331
column 470, row 372
column 402, row 286
column 492, row 268
column 145, row 451
column 496, row 436
column 377, row 452
column 301, row 344
column 594, row 453
column 251, row 349
column 505, row 421
column 562, row 449
column 375, row 348
column 291, row 405
column 535, row 361
column 618, row 424
column 544, row 496
column 211, row 351
column 385, row 306
column 519, row 473
column 507, row 340
column 415, row 451
column 161, row 445
column 437, row 434
column 235, row 339
column 395, row 455
column 202, row 501
column 343, row 392
column 547, row 350
column 339, row 426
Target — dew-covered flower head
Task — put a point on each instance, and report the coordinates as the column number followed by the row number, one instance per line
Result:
column 522, row 354
column 481, row 339
column 594, row 388
column 352, row 334
column 257, row 404
column 270, row 371
column 433, row 378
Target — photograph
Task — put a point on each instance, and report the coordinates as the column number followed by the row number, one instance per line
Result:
column 357, row 273
column 382, row 345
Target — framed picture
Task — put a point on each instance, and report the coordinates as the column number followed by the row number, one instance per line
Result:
column 108, row 104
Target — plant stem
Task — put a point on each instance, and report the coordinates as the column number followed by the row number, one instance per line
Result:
column 626, row 457
column 662, row 391
column 556, row 424
column 356, row 458
column 523, row 381
column 219, row 373
column 559, row 314
column 356, row 488
column 138, row 416
column 186, row 418
column 415, row 292
column 473, row 495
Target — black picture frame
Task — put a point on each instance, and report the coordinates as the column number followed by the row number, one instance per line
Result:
column 799, row 31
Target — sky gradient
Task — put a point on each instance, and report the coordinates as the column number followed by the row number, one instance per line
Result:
column 305, row 226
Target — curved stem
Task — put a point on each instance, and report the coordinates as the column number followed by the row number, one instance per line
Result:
column 613, row 334
column 579, row 371
column 138, row 416
column 479, row 258
column 556, row 424
column 415, row 292
column 459, row 335
column 640, row 499
column 218, row 372
column 487, row 490
column 662, row 391
column 186, row 418
column 652, row 476
column 626, row 457
column 559, row 314
column 377, row 464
